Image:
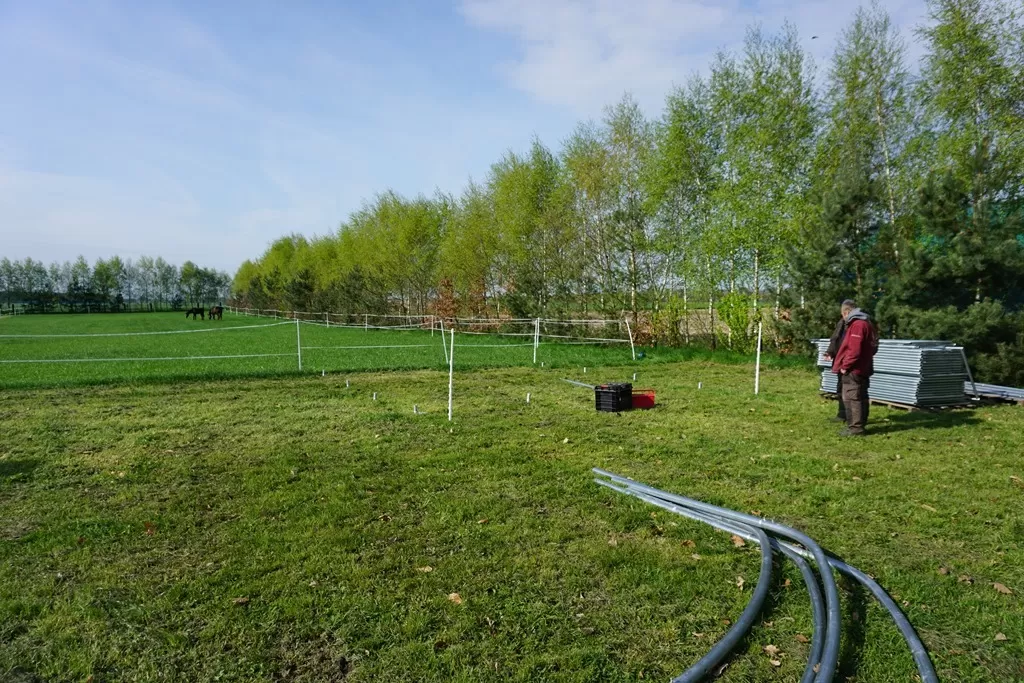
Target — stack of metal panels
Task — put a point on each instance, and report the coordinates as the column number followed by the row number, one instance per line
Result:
column 913, row 372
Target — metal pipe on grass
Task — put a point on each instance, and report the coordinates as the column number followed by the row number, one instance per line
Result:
column 830, row 654
column 748, row 533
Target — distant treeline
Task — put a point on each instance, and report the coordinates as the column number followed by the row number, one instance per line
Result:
column 765, row 190
column 113, row 284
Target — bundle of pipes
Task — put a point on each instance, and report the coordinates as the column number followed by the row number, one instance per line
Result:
column 797, row 546
column 995, row 391
column 910, row 371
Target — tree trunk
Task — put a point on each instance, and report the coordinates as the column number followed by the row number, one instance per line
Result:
column 632, row 281
column 711, row 306
column 778, row 293
column 757, row 279
column 888, row 176
column 686, row 315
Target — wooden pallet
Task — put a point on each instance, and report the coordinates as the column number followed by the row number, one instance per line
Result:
column 905, row 406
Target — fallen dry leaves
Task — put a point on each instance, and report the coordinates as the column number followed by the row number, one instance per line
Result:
column 1002, row 589
column 771, row 650
column 737, row 541
column 740, row 582
column 241, row 601
column 1001, row 637
column 455, row 597
column 801, row 638
column 689, row 544
column 929, row 508
column 426, row 569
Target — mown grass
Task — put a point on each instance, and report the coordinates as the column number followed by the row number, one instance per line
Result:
column 134, row 518
column 202, row 350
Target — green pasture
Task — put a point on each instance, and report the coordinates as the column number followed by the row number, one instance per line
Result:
column 293, row 529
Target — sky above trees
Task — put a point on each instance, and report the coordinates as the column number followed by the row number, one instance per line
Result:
column 203, row 132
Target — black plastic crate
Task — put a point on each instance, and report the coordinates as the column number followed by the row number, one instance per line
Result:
column 613, row 398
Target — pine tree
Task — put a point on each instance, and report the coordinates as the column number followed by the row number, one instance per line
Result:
column 963, row 275
column 838, row 256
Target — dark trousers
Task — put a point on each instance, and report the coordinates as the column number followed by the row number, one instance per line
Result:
column 854, row 389
column 841, row 413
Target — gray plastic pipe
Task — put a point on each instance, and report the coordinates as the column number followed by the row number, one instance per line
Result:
column 830, row 653
column 817, row 603
column 924, row 663
column 925, row 668
column 734, row 635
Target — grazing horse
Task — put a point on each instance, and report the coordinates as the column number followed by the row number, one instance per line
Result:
column 196, row 310
column 216, row 312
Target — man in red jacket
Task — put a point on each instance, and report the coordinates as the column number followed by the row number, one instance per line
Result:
column 854, row 363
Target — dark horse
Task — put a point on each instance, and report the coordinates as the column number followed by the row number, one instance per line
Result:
column 216, row 312
column 196, row 310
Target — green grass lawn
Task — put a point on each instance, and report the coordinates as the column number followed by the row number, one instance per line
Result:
column 282, row 529
column 81, row 350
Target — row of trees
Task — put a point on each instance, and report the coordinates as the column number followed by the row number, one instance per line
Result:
column 763, row 191
column 113, row 284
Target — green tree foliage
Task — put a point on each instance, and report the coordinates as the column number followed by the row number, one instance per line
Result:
column 836, row 255
column 113, row 284
column 755, row 186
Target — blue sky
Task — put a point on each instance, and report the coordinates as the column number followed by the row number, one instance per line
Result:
column 203, row 131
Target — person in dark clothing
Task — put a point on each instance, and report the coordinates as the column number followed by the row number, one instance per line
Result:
column 833, row 347
column 854, row 363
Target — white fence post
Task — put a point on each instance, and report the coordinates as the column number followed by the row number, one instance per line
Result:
column 536, row 339
column 298, row 343
column 451, row 375
column 629, row 331
column 444, row 346
column 757, row 363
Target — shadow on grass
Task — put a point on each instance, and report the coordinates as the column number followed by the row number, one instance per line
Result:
column 904, row 421
column 853, row 629
column 18, row 469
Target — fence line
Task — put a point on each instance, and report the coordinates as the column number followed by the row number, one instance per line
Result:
column 382, row 346
column 138, row 334
column 145, row 359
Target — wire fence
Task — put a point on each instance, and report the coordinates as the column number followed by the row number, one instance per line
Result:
column 570, row 331
column 320, row 343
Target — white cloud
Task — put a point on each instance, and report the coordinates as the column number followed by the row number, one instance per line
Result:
column 583, row 54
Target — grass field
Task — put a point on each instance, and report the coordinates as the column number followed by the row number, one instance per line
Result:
column 282, row 529
column 176, row 348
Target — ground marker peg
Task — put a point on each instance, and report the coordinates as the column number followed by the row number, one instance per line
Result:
column 375, row 396
column 584, row 369
column 415, row 410
column 346, row 384
column 700, row 385
column 634, row 376
column 323, row 373
column 527, row 396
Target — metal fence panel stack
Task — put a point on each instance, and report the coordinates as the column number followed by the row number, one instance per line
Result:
column 923, row 373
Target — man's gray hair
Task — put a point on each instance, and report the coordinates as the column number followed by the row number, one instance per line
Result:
column 849, row 305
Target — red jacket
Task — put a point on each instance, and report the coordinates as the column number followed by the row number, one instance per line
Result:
column 857, row 352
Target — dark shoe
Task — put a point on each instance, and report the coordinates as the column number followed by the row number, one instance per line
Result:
column 850, row 432
column 838, row 419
